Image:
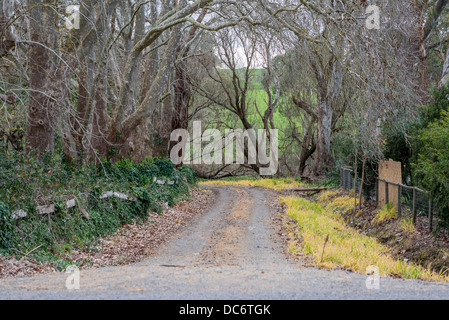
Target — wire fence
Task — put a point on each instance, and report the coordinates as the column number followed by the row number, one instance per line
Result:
column 410, row 202
column 347, row 180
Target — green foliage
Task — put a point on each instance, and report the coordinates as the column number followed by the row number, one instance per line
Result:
column 406, row 146
column 26, row 182
column 424, row 151
column 6, row 225
column 433, row 111
column 399, row 148
column 432, row 166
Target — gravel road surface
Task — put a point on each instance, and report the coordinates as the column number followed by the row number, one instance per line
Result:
column 233, row 251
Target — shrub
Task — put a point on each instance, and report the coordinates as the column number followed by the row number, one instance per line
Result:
column 432, row 166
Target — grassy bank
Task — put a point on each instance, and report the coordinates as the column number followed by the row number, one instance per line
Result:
column 346, row 247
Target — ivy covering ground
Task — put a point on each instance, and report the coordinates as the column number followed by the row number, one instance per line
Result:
column 27, row 182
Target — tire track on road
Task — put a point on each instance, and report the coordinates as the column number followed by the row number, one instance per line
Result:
column 225, row 245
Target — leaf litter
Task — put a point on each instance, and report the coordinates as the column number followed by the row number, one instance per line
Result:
column 131, row 243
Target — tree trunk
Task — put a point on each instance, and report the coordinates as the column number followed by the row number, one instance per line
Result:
column 329, row 81
column 445, row 74
column 7, row 41
column 100, row 123
column 182, row 84
column 355, row 182
column 422, row 52
column 40, row 134
column 123, row 128
column 323, row 157
column 361, row 183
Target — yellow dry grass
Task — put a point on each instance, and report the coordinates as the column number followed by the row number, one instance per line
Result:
column 346, row 247
column 407, row 225
column 387, row 212
column 276, row 184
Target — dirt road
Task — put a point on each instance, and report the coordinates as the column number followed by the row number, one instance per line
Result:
column 231, row 252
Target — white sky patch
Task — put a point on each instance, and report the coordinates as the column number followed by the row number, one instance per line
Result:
column 242, row 61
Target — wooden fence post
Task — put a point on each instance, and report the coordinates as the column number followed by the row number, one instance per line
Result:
column 414, row 205
column 430, row 212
